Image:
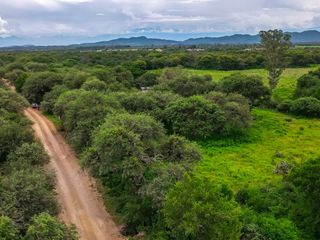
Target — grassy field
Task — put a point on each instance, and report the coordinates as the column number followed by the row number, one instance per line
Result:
column 252, row 159
column 286, row 85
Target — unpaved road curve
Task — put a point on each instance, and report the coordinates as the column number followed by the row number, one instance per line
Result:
column 80, row 203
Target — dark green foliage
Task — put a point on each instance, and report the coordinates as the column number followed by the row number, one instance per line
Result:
column 306, row 213
column 50, row 98
column 40, row 83
column 74, row 80
column 194, row 117
column 36, row 67
column 94, row 84
column 151, row 102
column 28, row 154
column 197, row 209
column 44, row 226
column 12, row 133
column 285, row 106
column 148, row 79
column 251, row 87
column 81, row 112
column 139, row 163
column 236, row 111
column 25, row 193
column 309, row 85
column 179, row 149
column 11, row 101
column 184, row 84
column 306, row 106
column 8, row 231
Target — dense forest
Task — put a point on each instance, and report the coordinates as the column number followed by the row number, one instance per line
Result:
column 140, row 122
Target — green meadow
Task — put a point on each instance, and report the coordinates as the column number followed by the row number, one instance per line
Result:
column 251, row 160
column 286, row 85
column 273, row 137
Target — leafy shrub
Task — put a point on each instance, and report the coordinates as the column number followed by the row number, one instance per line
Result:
column 251, row 87
column 194, row 117
column 44, row 226
column 81, row 112
column 94, row 84
column 285, row 106
column 185, row 84
column 33, row 195
column 8, row 231
column 309, row 85
column 40, row 83
column 148, row 79
column 236, row 111
column 306, row 106
column 197, row 209
column 306, row 212
column 50, row 98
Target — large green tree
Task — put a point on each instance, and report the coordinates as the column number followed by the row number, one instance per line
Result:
column 275, row 44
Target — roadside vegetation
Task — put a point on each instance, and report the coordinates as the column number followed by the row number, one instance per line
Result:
column 27, row 197
column 186, row 144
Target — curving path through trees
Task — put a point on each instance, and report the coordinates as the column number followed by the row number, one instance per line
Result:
column 77, row 195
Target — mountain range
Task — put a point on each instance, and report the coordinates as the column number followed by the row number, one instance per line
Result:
column 306, row 37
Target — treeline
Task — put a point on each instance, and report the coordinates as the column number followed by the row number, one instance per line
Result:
column 27, row 196
column 138, row 62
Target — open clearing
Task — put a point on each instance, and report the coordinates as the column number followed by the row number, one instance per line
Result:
column 286, row 86
column 251, row 160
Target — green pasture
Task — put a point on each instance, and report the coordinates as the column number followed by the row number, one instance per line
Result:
column 251, row 160
column 286, row 85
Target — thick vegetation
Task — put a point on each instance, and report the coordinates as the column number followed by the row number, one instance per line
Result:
column 27, row 194
column 180, row 153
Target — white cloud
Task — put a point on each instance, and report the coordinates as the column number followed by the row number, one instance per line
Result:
column 92, row 17
column 3, row 30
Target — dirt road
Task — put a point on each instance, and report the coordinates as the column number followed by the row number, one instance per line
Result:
column 81, row 204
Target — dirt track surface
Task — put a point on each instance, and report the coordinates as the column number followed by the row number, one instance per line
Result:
column 80, row 203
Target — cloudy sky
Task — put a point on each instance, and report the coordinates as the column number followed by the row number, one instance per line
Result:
column 45, row 18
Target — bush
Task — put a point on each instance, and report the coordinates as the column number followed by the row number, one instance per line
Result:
column 194, row 117
column 251, row 87
column 50, row 98
column 12, row 134
column 197, row 209
column 184, row 84
column 309, row 85
column 25, row 193
column 306, row 106
column 94, row 84
column 27, row 155
column 285, row 106
column 236, row 111
column 81, row 112
column 306, row 212
column 74, row 80
column 44, row 226
column 11, row 101
column 40, row 83
column 148, row 79
column 8, row 231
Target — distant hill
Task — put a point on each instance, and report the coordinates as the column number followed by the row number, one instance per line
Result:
column 133, row 41
column 303, row 37
column 306, row 37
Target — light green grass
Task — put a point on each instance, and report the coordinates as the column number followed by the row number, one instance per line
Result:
column 251, row 160
column 286, row 86
column 55, row 120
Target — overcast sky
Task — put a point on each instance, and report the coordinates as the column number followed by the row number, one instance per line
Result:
column 99, row 17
